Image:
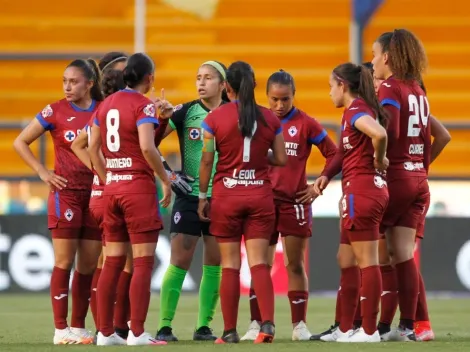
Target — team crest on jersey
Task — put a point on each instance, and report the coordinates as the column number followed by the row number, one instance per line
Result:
column 69, row 135
column 47, row 112
column 194, row 134
column 149, row 110
column 177, row 107
column 177, row 217
column 292, row 131
column 68, row 214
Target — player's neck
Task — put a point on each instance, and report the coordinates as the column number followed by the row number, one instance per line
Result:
column 348, row 100
column 388, row 74
column 84, row 103
column 213, row 103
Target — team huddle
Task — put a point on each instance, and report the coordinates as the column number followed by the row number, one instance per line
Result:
column 243, row 176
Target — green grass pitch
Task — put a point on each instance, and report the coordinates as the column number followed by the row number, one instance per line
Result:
column 26, row 325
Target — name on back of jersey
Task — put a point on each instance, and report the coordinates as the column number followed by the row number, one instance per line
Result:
column 242, row 178
column 416, row 149
column 118, row 163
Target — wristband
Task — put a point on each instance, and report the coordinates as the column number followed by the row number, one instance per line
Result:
column 202, row 195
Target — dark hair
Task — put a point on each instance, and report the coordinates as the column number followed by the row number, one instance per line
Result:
column 369, row 66
column 360, row 83
column 92, row 72
column 407, row 58
column 241, row 78
column 222, row 79
column 112, row 81
column 281, row 77
column 110, row 57
column 138, row 67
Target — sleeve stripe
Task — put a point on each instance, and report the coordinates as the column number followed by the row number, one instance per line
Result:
column 318, row 139
column 391, row 102
column 279, row 130
column 96, row 122
column 172, row 124
column 357, row 116
column 46, row 125
column 206, row 127
column 148, row 119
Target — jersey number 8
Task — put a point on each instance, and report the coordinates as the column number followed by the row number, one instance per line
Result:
column 419, row 111
column 113, row 142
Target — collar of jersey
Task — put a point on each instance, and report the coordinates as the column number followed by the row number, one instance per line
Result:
column 289, row 116
column 129, row 90
column 79, row 109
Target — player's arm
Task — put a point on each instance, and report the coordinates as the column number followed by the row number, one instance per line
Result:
column 94, row 149
column 390, row 100
column 205, row 171
column 441, row 137
column 278, row 157
column 319, row 137
column 22, row 143
column 371, row 128
column 79, row 147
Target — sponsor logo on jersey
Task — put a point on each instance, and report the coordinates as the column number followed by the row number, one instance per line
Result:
column 47, row 112
column 70, row 119
column 410, row 166
column 243, row 178
column 96, row 194
column 69, row 135
column 177, row 217
column 386, row 85
column 291, row 148
column 149, row 110
column 68, row 214
column 110, row 177
column 354, row 108
column 379, row 182
column 177, row 107
column 292, row 131
column 194, row 134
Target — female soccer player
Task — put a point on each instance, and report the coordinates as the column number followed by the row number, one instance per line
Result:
column 124, row 131
column 365, row 198
column 399, row 59
column 242, row 201
column 111, row 82
column 186, row 227
column 74, row 231
column 292, row 199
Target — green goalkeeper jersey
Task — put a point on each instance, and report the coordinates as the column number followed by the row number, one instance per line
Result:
column 186, row 120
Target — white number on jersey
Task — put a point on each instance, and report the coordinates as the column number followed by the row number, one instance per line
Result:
column 113, row 142
column 88, row 132
column 419, row 112
column 247, row 145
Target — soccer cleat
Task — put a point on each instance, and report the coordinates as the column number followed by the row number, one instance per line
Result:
column 204, row 333
column 385, row 331
column 144, row 339
column 402, row 334
column 111, row 340
column 166, row 334
column 301, row 333
column 230, row 336
column 359, row 335
column 423, row 331
column 326, row 332
column 124, row 333
column 86, row 337
column 266, row 333
column 336, row 335
column 252, row 332
column 66, row 337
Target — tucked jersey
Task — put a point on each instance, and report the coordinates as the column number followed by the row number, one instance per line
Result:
column 118, row 118
column 300, row 133
column 97, row 186
column 64, row 121
column 186, row 120
column 409, row 135
column 242, row 167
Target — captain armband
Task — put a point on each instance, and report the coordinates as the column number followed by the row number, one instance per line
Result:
column 208, row 145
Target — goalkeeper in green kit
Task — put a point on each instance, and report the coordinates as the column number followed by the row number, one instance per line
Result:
column 186, row 228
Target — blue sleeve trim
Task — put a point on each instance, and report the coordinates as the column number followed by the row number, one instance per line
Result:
column 357, row 116
column 318, row 139
column 391, row 102
column 46, row 125
column 206, row 127
column 96, row 122
column 279, row 130
column 148, row 119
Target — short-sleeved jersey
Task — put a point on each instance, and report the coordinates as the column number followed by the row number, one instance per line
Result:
column 186, row 120
column 300, row 133
column 118, row 117
column 65, row 120
column 97, row 187
column 357, row 147
column 407, row 152
column 243, row 166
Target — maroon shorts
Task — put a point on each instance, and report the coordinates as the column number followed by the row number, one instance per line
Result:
column 131, row 217
column 69, row 217
column 234, row 216
column 407, row 204
column 97, row 211
column 361, row 215
column 422, row 220
column 292, row 220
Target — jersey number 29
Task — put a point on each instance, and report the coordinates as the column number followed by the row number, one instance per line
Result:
column 419, row 111
column 113, row 142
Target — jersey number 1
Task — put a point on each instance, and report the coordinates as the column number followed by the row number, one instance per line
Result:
column 247, row 145
column 113, row 142
column 419, row 111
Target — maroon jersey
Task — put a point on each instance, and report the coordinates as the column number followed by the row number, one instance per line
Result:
column 300, row 133
column 97, row 187
column 118, row 118
column 65, row 120
column 358, row 151
column 242, row 166
column 409, row 134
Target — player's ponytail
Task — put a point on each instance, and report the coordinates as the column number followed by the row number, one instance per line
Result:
column 139, row 66
column 113, row 81
column 91, row 72
column 241, row 79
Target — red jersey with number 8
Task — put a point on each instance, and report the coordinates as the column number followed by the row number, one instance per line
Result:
column 409, row 135
column 118, row 118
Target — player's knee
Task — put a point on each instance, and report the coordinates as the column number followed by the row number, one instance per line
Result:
column 64, row 263
column 86, row 267
column 296, row 268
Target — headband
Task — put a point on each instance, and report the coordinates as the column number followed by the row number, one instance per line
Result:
column 218, row 67
column 114, row 61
